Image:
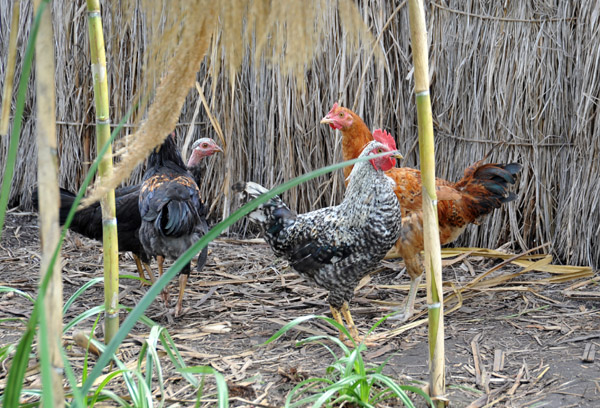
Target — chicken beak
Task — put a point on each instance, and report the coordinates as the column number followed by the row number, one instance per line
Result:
column 326, row 120
column 397, row 155
column 218, row 149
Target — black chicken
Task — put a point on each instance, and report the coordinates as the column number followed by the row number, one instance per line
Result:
column 336, row 246
column 170, row 207
column 88, row 221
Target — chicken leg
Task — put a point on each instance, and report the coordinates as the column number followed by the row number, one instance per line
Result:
column 414, row 266
column 345, row 312
column 183, row 278
column 141, row 266
column 164, row 294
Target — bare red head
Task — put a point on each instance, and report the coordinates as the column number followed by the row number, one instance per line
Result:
column 339, row 118
column 384, row 142
column 202, row 148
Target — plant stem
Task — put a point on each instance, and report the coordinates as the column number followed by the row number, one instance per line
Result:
column 432, row 258
column 50, row 337
column 105, row 168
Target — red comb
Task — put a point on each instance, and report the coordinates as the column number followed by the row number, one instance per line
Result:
column 333, row 108
column 384, row 137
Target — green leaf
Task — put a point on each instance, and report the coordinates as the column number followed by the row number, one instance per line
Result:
column 222, row 390
column 83, row 316
column 27, row 296
column 79, row 291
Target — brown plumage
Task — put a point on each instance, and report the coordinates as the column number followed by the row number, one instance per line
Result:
column 483, row 188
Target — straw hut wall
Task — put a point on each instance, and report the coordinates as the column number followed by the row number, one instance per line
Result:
column 522, row 77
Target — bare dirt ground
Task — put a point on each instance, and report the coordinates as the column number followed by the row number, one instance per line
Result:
column 521, row 344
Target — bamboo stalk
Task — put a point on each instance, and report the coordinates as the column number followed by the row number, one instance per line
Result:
column 432, row 258
column 10, row 70
column 48, row 193
column 105, row 168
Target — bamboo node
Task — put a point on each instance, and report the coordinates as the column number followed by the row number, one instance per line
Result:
column 112, row 315
column 110, row 221
column 99, row 71
column 103, row 121
column 94, row 14
column 423, row 93
column 434, row 305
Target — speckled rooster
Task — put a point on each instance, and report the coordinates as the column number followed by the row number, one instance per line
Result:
column 483, row 188
column 336, row 246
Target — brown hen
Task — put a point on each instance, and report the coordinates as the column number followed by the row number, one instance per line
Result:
column 483, row 188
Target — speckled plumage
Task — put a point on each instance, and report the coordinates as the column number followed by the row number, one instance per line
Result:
column 335, row 246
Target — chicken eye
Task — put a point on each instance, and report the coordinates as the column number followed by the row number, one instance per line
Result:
column 341, row 114
column 205, row 145
column 380, row 150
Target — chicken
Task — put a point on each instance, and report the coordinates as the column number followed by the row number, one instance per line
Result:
column 336, row 246
column 483, row 188
column 88, row 221
column 171, row 211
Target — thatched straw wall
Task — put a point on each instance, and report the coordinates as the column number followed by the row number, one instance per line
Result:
column 521, row 76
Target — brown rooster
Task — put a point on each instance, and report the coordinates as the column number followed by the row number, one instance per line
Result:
column 483, row 188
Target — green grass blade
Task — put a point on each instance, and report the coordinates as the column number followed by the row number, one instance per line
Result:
column 13, row 148
column 83, row 316
column 19, row 365
column 153, row 359
column 79, row 291
column 175, row 357
column 100, row 389
column 302, row 319
column 70, row 375
column 111, row 395
column 186, row 257
column 222, row 390
column 27, row 296
column 303, row 387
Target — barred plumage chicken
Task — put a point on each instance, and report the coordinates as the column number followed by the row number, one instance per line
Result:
column 336, row 246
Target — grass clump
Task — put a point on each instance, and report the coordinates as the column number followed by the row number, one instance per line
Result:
column 348, row 380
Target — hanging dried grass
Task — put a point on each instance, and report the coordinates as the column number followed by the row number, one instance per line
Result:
column 291, row 28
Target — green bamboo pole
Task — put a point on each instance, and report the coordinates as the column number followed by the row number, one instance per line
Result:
column 432, row 257
column 50, row 338
column 109, row 220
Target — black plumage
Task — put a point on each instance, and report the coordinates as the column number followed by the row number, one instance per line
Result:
column 170, row 208
column 88, row 221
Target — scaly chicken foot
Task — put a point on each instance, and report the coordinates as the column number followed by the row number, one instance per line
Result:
column 164, row 294
column 344, row 312
column 409, row 306
column 150, row 273
column 183, row 278
column 141, row 266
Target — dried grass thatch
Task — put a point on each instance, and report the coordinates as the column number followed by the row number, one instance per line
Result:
column 521, row 76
